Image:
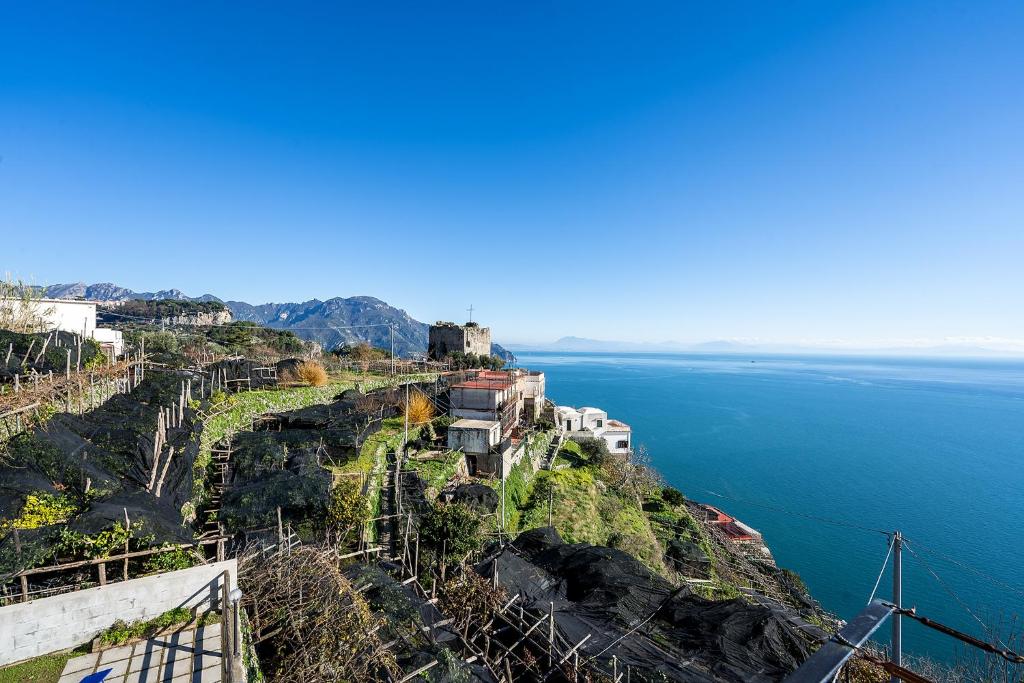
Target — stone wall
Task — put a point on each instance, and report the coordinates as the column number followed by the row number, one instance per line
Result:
column 39, row 627
column 446, row 338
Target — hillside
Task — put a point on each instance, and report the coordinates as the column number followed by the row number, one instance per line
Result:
column 333, row 322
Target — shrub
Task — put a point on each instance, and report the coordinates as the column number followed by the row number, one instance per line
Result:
column 593, row 449
column 451, row 528
column 170, row 561
column 420, row 408
column 43, row 509
column 672, row 496
column 347, row 507
column 162, row 342
column 312, row 373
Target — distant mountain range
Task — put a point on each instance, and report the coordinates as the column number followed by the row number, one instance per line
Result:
column 331, row 323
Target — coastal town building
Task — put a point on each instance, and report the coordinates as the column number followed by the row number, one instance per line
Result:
column 594, row 422
column 480, row 442
column 72, row 315
column 446, row 338
column 493, row 407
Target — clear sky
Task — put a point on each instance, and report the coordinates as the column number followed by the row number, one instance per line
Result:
column 636, row 171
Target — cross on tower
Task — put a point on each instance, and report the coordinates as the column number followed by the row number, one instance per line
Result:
column 470, row 309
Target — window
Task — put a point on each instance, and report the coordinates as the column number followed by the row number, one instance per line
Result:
column 600, row 423
column 624, row 443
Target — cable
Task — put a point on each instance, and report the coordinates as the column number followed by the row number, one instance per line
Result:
column 879, row 579
column 964, row 565
column 823, row 520
column 953, row 594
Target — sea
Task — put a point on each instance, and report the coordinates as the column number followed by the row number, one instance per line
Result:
column 823, row 453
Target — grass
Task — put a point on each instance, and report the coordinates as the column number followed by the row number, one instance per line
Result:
column 245, row 406
column 437, row 473
column 120, row 632
column 585, row 510
column 45, row 669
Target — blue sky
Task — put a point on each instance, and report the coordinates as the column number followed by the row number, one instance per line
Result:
column 791, row 171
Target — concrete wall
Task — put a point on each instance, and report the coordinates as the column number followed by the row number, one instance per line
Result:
column 69, row 316
column 473, row 439
column 35, row 628
column 471, row 398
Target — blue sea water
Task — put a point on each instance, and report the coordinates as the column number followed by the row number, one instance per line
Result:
column 933, row 447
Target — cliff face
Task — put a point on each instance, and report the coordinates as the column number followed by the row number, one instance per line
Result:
column 202, row 319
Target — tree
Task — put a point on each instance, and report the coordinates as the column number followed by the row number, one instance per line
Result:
column 452, row 529
column 672, row 496
column 595, row 450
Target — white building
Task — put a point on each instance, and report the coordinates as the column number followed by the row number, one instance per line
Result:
column 593, row 422
column 69, row 315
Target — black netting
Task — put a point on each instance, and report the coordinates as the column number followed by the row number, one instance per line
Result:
column 611, row 596
column 43, row 352
column 103, row 461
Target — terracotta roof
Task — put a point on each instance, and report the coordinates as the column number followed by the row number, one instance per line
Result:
column 616, row 425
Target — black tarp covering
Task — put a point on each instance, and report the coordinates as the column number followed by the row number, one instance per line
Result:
column 108, row 451
column 610, row 595
column 25, row 349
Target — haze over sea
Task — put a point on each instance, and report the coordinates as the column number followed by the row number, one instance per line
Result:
column 932, row 447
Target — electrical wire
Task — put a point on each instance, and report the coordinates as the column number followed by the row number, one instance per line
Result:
column 963, row 565
column 953, row 593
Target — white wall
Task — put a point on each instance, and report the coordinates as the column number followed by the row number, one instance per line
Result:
column 69, row 316
column 38, row 627
column 591, row 417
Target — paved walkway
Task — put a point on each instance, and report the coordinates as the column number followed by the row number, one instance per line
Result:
column 192, row 656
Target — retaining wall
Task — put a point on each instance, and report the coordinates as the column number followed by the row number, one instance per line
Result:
column 39, row 627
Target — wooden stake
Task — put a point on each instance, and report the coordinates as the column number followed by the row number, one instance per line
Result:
column 128, row 530
column 167, row 463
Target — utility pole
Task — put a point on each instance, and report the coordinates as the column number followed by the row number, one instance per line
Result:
column 392, row 328
column 897, row 599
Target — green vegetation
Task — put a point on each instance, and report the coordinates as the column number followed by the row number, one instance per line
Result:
column 673, row 496
column 362, row 352
column 451, row 529
column 168, row 308
column 236, row 412
column 102, row 544
column 45, row 669
column 585, row 509
column 517, row 493
column 236, row 338
column 183, row 558
column 347, row 507
column 120, row 632
column 468, row 361
column 42, row 509
column 436, row 473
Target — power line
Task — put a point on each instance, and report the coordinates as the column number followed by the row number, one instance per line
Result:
column 967, row 567
column 953, row 594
